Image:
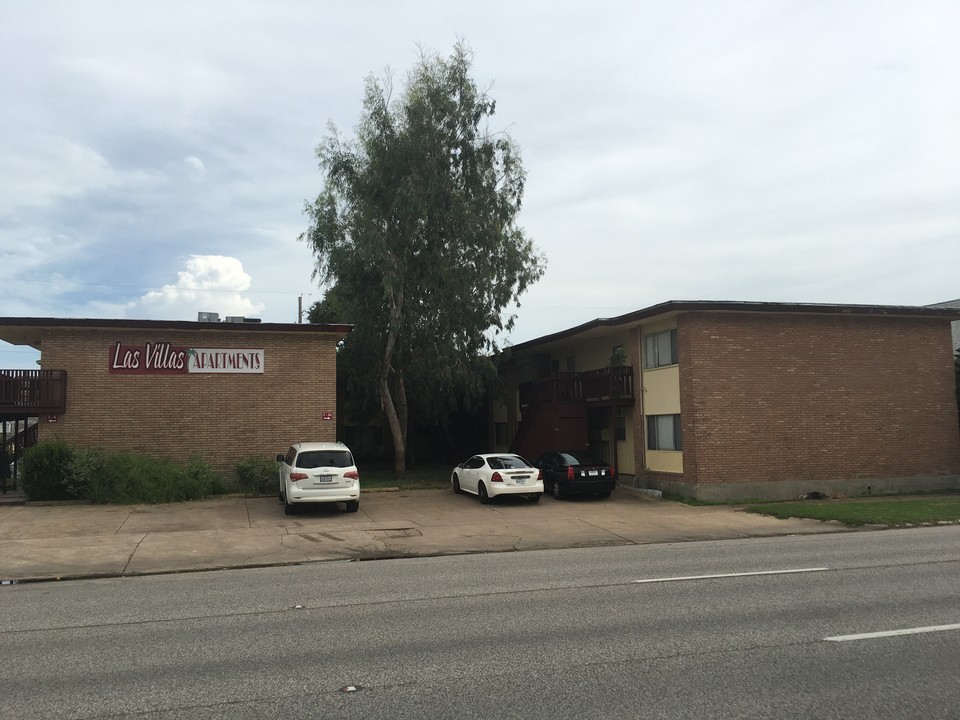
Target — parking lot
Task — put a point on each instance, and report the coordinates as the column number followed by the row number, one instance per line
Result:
column 63, row 541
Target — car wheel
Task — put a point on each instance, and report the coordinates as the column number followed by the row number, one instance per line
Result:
column 535, row 498
column 353, row 505
column 557, row 490
column 456, row 485
column 289, row 508
column 482, row 494
column 605, row 494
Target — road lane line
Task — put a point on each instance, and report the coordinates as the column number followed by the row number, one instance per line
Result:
column 731, row 575
column 891, row 633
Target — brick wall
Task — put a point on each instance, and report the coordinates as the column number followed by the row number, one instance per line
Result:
column 221, row 417
column 786, row 398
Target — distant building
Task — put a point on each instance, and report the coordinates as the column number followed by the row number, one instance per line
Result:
column 736, row 400
column 955, row 305
column 219, row 390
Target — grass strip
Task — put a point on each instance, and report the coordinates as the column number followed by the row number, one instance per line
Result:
column 424, row 477
column 891, row 511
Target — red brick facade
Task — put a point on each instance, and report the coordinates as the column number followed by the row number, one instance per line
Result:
column 778, row 400
column 816, row 399
column 220, row 417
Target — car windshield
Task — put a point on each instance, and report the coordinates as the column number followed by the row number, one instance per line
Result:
column 507, row 462
column 579, row 458
column 324, row 458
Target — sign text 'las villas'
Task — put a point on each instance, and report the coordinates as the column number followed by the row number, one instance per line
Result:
column 165, row 359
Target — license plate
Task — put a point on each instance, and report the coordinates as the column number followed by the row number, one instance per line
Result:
column 326, row 478
column 519, row 481
column 593, row 473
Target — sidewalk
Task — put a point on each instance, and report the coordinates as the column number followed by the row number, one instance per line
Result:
column 43, row 542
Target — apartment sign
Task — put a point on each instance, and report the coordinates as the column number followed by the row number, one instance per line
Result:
column 166, row 359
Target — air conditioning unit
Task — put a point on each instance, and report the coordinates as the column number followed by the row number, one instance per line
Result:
column 208, row 317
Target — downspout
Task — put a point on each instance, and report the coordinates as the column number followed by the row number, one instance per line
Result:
column 638, row 392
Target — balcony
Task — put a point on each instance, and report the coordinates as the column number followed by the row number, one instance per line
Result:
column 30, row 393
column 606, row 386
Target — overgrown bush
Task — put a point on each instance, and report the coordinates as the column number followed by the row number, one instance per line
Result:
column 54, row 471
column 43, row 472
column 257, row 475
column 131, row 478
column 83, row 465
column 204, row 477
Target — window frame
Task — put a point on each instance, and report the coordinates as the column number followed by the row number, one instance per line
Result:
column 653, row 433
column 651, row 350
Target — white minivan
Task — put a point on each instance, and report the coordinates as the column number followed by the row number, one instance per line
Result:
column 318, row 472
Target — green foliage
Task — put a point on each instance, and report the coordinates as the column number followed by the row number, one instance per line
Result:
column 873, row 512
column 54, row 471
column 84, row 466
column 257, row 475
column 416, row 238
column 43, row 472
column 132, row 478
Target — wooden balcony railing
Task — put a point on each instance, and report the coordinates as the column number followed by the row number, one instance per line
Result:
column 26, row 393
column 606, row 385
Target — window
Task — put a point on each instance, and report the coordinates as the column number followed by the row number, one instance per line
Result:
column 621, row 428
column 500, row 433
column 507, row 462
column 325, row 458
column 660, row 349
column 663, row 432
column 571, row 363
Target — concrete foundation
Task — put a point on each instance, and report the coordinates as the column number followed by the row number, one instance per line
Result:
column 793, row 490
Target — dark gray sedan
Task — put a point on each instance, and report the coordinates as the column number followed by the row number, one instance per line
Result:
column 568, row 472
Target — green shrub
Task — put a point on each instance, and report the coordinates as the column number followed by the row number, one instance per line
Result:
column 131, row 478
column 43, row 473
column 54, row 471
column 203, row 477
column 257, row 475
column 83, row 465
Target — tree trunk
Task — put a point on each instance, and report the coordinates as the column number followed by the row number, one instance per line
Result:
column 393, row 422
column 396, row 421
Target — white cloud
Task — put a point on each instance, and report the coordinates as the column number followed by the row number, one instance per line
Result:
column 742, row 150
column 38, row 169
column 195, row 167
column 210, row 283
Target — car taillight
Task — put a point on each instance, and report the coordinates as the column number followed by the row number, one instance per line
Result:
column 496, row 477
column 613, row 473
column 569, row 472
column 539, row 475
column 298, row 476
column 352, row 474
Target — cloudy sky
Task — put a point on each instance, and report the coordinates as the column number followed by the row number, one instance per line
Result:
column 155, row 157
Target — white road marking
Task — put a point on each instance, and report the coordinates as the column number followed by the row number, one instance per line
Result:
column 891, row 633
column 731, row 575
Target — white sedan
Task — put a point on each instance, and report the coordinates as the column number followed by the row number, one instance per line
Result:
column 491, row 474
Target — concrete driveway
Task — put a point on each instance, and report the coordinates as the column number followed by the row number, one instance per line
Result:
column 69, row 541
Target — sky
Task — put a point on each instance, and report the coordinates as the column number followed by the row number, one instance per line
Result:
column 155, row 158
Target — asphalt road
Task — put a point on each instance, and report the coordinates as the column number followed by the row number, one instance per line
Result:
column 592, row 633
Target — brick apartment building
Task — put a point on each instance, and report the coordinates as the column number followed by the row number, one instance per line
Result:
column 727, row 400
column 221, row 390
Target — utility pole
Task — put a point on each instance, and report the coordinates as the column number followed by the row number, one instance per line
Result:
column 300, row 309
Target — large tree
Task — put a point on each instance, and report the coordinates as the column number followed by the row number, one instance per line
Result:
column 416, row 238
